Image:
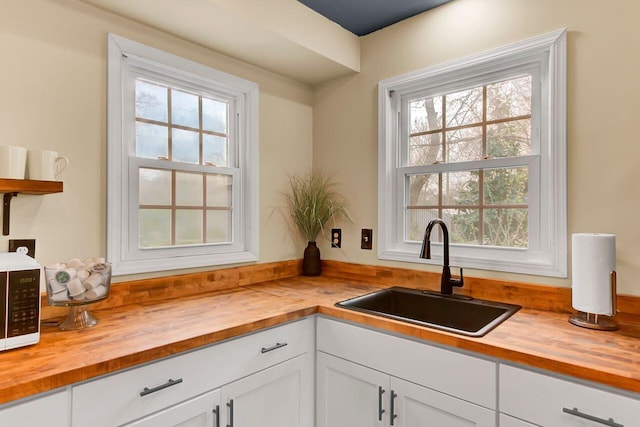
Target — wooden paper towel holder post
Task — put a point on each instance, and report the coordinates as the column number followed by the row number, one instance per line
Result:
column 599, row 321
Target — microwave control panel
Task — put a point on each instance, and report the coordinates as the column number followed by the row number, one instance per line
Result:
column 23, row 302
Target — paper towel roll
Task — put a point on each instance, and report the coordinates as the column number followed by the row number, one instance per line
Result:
column 594, row 258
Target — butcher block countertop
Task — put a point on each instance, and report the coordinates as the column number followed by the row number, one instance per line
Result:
column 128, row 335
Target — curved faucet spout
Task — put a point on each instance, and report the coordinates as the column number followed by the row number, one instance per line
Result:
column 446, row 283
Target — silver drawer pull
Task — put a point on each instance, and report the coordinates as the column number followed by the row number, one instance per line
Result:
column 275, row 347
column 579, row 414
column 169, row 383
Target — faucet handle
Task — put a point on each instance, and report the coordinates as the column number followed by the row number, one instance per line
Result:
column 458, row 282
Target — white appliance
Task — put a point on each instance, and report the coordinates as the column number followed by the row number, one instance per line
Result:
column 20, row 308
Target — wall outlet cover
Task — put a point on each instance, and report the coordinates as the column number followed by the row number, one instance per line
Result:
column 336, row 237
column 23, row 246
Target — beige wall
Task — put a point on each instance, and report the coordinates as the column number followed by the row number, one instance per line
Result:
column 53, row 89
column 603, row 111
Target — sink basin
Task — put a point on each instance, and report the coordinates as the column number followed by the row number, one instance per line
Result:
column 452, row 313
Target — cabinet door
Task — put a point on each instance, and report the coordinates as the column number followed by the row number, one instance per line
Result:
column 281, row 396
column 350, row 395
column 51, row 410
column 416, row 406
column 201, row 411
column 507, row 421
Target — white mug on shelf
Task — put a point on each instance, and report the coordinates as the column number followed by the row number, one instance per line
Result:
column 12, row 161
column 45, row 165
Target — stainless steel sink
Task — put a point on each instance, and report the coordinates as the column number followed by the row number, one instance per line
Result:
column 452, row 313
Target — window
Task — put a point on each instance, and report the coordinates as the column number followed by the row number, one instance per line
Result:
column 479, row 142
column 182, row 151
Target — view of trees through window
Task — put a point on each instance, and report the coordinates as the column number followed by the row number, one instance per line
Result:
column 453, row 132
column 178, row 204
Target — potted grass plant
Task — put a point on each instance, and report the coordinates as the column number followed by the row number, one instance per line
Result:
column 312, row 203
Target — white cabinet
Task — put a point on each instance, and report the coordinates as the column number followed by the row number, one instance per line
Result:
column 417, row 406
column 377, row 379
column 549, row 401
column 349, row 394
column 201, row 411
column 281, row 396
column 131, row 395
column 353, row 395
column 507, row 421
column 51, row 410
column 464, row 376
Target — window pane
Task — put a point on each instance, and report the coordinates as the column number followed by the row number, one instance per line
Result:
column 151, row 101
column 465, row 225
column 155, row 187
column 214, row 150
column 511, row 98
column 184, row 109
column 507, row 186
column 509, row 139
column 185, row 146
column 417, row 220
column 464, row 107
column 423, row 190
column 218, row 226
column 214, row 115
column 189, row 189
column 155, row 227
column 219, row 191
column 152, row 141
column 425, row 149
column 425, row 115
column 460, row 188
column 464, row 144
column 188, row 226
column 506, row 227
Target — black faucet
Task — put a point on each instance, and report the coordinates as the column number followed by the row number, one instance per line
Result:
column 447, row 283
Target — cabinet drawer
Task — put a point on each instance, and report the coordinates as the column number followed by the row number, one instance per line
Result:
column 128, row 395
column 549, row 401
column 469, row 378
column 51, row 410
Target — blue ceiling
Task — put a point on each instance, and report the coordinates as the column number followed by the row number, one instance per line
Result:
column 362, row 17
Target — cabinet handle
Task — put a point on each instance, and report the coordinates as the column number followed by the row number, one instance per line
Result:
column 169, row 383
column 217, row 414
column 230, row 406
column 575, row 412
column 393, row 407
column 275, row 347
column 380, row 410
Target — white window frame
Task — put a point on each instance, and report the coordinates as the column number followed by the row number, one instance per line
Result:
column 128, row 60
column 544, row 57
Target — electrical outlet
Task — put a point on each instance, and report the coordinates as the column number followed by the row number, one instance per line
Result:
column 23, row 246
column 366, row 241
column 336, row 237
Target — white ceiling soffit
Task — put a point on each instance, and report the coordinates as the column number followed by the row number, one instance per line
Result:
column 282, row 36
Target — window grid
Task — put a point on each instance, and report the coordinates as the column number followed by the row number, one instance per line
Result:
column 481, row 206
column 174, row 207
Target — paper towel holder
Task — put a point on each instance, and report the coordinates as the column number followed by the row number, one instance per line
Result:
column 599, row 321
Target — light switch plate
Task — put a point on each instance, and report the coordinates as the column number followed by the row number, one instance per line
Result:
column 366, row 241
